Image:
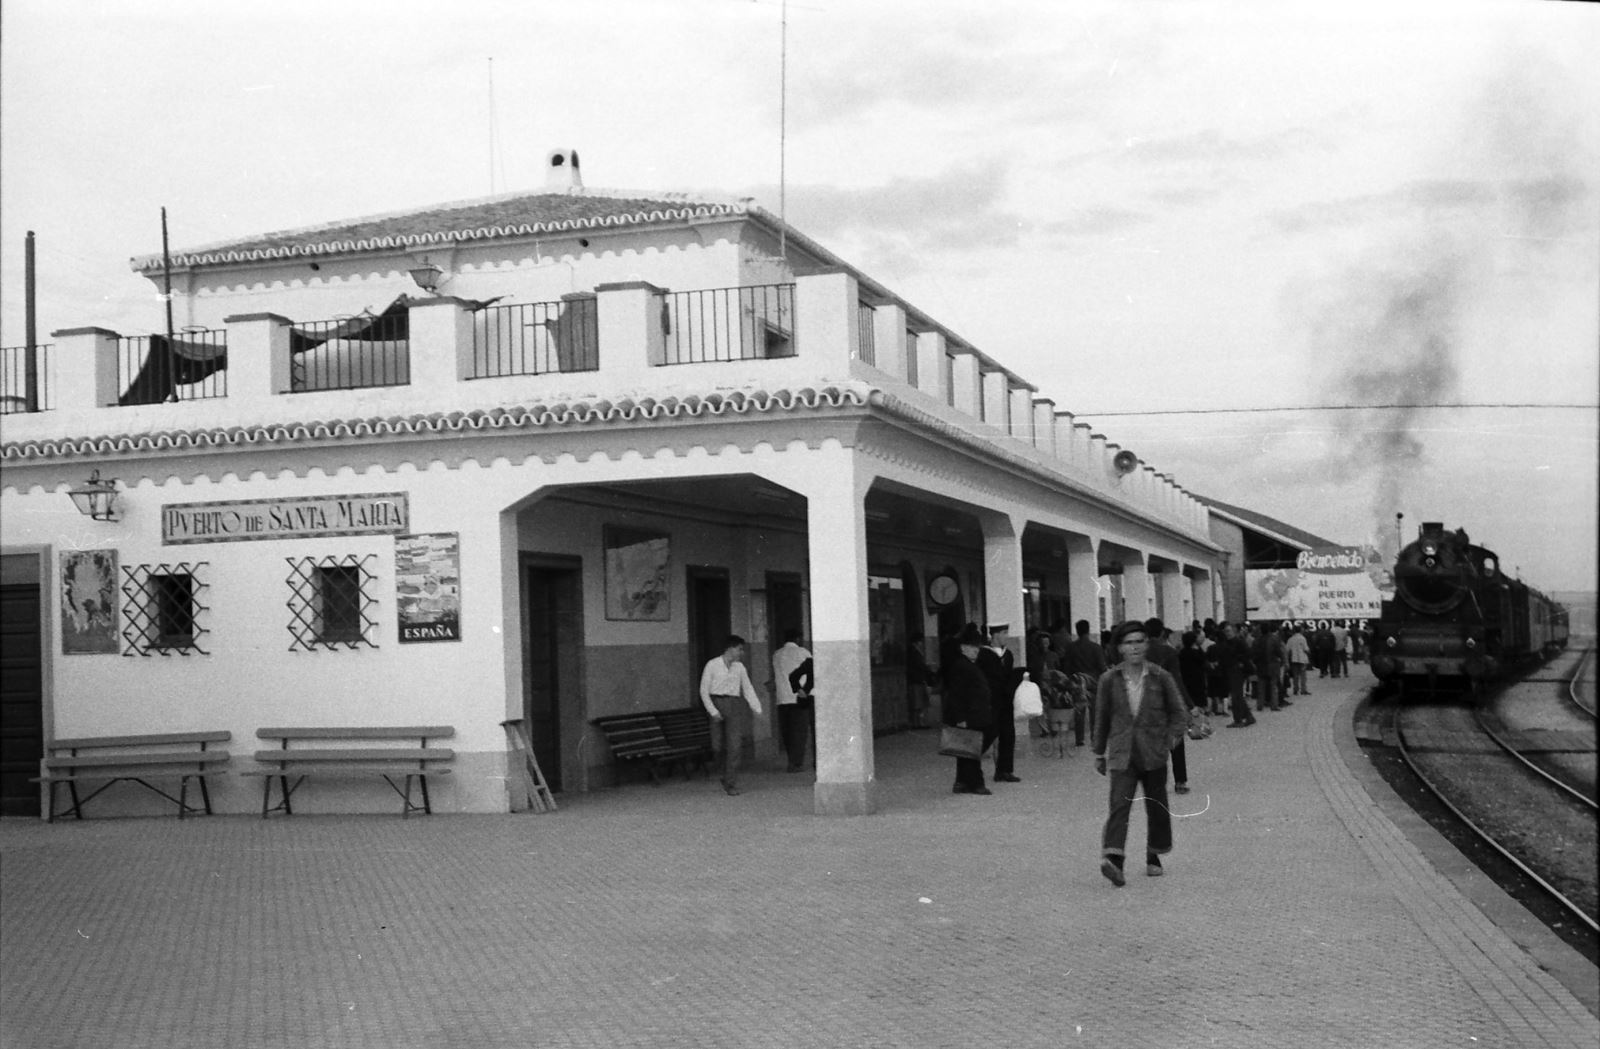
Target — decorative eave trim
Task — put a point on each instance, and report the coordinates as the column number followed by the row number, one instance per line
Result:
column 622, row 412
column 408, row 241
column 922, row 421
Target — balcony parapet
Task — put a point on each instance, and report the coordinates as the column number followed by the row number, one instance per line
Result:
column 611, row 345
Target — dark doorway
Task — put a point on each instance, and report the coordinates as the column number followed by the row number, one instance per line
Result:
column 710, row 621
column 786, row 609
column 553, row 669
column 21, row 699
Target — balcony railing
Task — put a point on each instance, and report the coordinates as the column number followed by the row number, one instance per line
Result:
column 729, row 324
column 867, row 347
column 536, row 338
column 351, row 353
column 14, row 378
column 188, row 366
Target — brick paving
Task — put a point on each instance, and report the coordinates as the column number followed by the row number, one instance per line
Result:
column 1294, row 913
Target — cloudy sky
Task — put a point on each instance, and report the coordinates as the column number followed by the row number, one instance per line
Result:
column 1239, row 219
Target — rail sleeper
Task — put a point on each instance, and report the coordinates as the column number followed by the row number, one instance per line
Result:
column 113, row 759
column 298, row 757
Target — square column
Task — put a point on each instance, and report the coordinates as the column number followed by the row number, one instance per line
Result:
column 827, row 323
column 966, row 378
column 1044, row 426
column 1204, row 598
column 1175, row 602
column 1020, row 414
column 86, row 368
column 1083, row 582
column 889, row 338
column 258, row 356
column 629, row 330
column 1002, row 576
column 931, row 351
column 997, row 400
column 1137, row 596
column 441, row 342
column 836, row 527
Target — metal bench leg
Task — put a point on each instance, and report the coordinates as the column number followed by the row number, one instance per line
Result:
column 77, row 806
column 427, row 806
column 205, row 795
column 50, row 816
column 183, row 796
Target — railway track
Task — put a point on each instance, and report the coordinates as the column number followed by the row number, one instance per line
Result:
column 1536, row 825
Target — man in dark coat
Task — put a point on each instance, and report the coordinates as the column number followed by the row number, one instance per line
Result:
column 999, row 670
column 1161, row 654
column 1233, row 655
column 1084, row 656
column 1139, row 715
column 966, row 704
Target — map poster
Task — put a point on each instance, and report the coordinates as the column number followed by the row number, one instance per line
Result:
column 89, row 602
column 427, row 580
column 1331, row 582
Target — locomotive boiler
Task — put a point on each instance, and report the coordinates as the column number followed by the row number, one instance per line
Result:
column 1457, row 615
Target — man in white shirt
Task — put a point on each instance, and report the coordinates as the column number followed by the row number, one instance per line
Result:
column 794, row 707
column 725, row 689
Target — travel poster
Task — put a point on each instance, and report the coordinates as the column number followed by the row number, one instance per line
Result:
column 427, row 579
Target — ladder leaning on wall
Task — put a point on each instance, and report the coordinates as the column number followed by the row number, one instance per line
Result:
column 527, row 770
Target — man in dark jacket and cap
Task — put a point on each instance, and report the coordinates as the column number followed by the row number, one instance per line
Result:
column 966, row 704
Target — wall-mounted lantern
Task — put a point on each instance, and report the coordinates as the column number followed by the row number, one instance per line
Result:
column 95, row 499
column 427, row 276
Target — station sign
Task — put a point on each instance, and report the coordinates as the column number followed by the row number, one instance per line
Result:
column 1328, row 582
column 383, row 513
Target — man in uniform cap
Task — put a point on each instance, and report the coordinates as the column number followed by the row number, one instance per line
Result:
column 999, row 668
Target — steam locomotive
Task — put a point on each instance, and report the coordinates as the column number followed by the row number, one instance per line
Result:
column 1456, row 614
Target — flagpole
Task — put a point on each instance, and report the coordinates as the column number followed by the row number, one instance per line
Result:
column 30, row 362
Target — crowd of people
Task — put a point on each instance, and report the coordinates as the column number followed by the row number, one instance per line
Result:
column 1138, row 695
column 1135, row 694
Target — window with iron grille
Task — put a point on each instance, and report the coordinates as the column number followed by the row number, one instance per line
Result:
column 331, row 602
column 164, row 609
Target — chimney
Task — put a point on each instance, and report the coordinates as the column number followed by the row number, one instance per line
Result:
column 561, row 172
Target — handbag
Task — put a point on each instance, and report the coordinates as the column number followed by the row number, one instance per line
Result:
column 960, row 742
column 1026, row 701
column 1199, row 724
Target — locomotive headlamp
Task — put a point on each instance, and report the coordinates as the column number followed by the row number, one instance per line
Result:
column 1390, row 641
column 1472, row 643
column 1429, row 549
column 1488, row 568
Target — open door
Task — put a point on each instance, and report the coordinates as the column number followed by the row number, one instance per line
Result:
column 552, row 659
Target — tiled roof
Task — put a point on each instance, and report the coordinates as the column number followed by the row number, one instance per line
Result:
column 1270, row 524
column 519, row 215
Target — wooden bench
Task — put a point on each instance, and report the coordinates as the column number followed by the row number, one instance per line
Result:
column 659, row 739
column 299, row 755
column 113, row 759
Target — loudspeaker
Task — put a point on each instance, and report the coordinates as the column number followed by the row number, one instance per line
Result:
column 1125, row 462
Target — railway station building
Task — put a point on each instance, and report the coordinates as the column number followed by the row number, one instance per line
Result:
column 535, row 457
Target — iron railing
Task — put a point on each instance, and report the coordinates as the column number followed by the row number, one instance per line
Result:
column 536, row 338
column 352, row 353
column 189, row 366
column 14, row 378
column 729, row 324
column 867, row 346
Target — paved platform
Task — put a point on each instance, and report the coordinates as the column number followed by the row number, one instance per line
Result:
column 1298, row 910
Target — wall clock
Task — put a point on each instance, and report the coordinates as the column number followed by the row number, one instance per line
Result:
column 943, row 589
